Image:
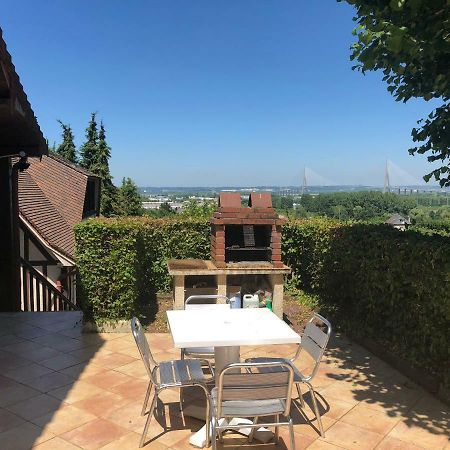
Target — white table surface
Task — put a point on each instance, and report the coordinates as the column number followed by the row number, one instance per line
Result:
column 233, row 327
column 226, row 330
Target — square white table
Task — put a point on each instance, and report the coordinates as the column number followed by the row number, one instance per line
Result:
column 226, row 330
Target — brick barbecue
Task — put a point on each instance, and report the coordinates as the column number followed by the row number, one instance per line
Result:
column 241, row 234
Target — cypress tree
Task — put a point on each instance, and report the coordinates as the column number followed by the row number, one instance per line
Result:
column 67, row 148
column 88, row 150
column 128, row 199
column 101, row 168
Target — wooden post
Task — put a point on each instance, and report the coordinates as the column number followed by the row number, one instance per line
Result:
column 277, row 281
column 178, row 292
column 9, row 238
column 221, row 285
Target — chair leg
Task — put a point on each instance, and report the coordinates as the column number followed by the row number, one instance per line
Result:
column 208, row 422
column 316, row 409
column 213, row 433
column 300, row 396
column 149, row 418
column 277, row 430
column 181, row 400
column 291, row 434
column 252, row 432
column 147, row 396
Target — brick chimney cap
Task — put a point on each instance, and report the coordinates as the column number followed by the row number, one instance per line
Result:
column 230, row 200
column 260, row 200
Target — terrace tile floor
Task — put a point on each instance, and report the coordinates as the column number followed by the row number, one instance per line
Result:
column 61, row 389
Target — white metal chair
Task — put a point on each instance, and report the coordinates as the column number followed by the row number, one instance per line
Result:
column 203, row 302
column 314, row 342
column 253, row 390
column 167, row 374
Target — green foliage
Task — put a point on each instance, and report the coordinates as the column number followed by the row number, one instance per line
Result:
column 95, row 154
column 372, row 280
column 311, row 301
column 122, row 262
column 379, row 283
column 435, row 133
column 409, row 42
column 281, row 203
column 110, row 269
column 67, row 147
column 88, row 150
column 431, row 220
column 101, row 168
column 128, row 199
column 176, row 237
column 357, row 205
column 164, row 210
column 199, row 210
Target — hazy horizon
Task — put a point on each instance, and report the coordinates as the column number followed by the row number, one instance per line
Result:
column 282, row 188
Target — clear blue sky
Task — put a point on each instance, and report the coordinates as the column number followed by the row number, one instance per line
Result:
column 231, row 92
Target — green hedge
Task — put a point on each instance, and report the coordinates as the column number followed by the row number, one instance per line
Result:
column 380, row 283
column 122, row 263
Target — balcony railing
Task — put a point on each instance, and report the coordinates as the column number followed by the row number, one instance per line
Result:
column 39, row 294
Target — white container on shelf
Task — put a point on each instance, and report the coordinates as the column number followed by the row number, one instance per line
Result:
column 251, row 301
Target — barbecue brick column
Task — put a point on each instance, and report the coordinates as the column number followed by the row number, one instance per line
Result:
column 218, row 244
column 275, row 243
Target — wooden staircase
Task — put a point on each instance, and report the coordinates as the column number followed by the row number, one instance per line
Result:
column 39, row 294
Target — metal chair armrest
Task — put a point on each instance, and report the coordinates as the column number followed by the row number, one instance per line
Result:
column 211, row 370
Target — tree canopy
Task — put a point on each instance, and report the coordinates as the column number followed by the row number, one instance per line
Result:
column 357, row 205
column 199, row 210
column 88, row 150
column 409, row 41
column 94, row 156
column 128, row 199
column 101, row 168
column 67, row 147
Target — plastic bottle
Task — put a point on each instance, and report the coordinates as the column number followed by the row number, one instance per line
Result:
column 235, row 301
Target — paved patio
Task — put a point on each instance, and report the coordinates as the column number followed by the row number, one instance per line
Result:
column 61, row 389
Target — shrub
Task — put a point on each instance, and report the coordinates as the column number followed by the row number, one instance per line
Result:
column 122, row 263
column 378, row 283
column 386, row 285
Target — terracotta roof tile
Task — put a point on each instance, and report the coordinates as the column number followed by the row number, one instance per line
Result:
column 51, row 197
column 36, row 209
column 64, row 186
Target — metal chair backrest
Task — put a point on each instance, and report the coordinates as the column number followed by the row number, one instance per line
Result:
column 143, row 347
column 252, row 382
column 315, row 340
column 207, row 302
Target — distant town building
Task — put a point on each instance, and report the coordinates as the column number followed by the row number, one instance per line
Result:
column 399, row 222
column 152, row 205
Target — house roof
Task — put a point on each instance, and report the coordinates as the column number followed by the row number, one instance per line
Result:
column 51, row 199
column 398, row 219
column 19, row 128
column 41, row 214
